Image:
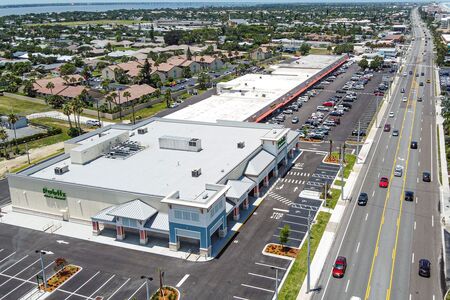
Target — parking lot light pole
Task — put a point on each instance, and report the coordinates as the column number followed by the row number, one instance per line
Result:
column 276, row 282
column 341, row 162
column 41, row 253
column 308, row 279
column 147, row 279
column 357, row 143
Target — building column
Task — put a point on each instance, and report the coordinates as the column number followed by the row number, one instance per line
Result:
column 266, row 180
column 143, row 237
column 120, row 233
column 256, row 190
column 291, row 153
column 246, row 204
column 297, row 146
column 285, row 160
column 275, row 171
column 95, row 228
column 236, row 214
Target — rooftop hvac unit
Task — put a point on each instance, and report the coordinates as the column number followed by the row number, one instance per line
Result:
column 263, row 95
column 61, row 170
column 196, row 172
column 142, row 130
column 241, row 145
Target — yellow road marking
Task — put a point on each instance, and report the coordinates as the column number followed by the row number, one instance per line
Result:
column 389, row 186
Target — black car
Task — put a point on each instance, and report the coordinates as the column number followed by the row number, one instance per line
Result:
column 424, row 268
column 426, row 176
column 362, row 199
column 409, row 196
column 361, row 133
column 348, row 105
column 340, row 91
column 413, row 145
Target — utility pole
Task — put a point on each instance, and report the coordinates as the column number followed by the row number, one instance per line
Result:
column 308, row 279
column 28, row 153
column 276, row 281
column 376, row 114
column 357, row 143
column 341, row 163
column 161, row 275
column 147, row 289
column 41, row 254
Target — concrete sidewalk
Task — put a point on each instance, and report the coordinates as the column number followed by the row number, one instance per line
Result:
column 329, row 235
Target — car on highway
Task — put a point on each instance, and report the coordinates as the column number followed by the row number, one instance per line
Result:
column 422, row 74
column 395, row 132
column 387, row 127
column 404, row 99
column 405, row 74
column 413, row 145
column 391, row 114
column 398, row 171
column 384, row 182
column 402, row 91
column 421, row 83
column 295, row 120
column 410, row 72
column 428, row 80
column 409, row 196
column 426, row 176
column 339, row 267
column 419, row 99
column 424, row 268
column 362, row 199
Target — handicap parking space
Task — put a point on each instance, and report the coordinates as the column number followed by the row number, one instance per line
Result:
column 260, row 280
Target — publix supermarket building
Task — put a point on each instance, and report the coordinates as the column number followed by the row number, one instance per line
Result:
column 177, row 180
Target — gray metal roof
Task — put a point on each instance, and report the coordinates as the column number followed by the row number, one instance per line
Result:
column 259, row 163
column 103, row 216
column 239, row 187
column 136, row 210
column 159, row 222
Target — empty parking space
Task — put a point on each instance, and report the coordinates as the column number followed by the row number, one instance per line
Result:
column 325, row 173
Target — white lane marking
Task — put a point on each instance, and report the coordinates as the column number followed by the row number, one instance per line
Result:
column 132, row 296
column 410, row 296
column 420, row 150
column 418, row 164
column 182, row 280
column 115, row 292
column 262, row 276
column 417, row 199
column 420, row 139
column 383, row 159
column 106, row 282
column 346, row 287
column 98, row 272
column 367, row 215
column 22, row 270
column 270, row 266
column 378, row 174
column 432, row 220
column 256, row 287
column 386, row 146
column 8, row 257
column 13, row 264
column 373, row 193
column 282, row 210
column 357, row 247
column 412, row 259
column 414, row 225
column 417, row 180
column 240, row 298
column 1, row 250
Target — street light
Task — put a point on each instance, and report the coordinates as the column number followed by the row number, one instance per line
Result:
column 147, row 279
column 41, row 253
column 276, row 282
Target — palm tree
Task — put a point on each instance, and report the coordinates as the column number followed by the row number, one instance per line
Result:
column 50, row 86
column 66, row 79
column 127, row 95
column 168, row 98
column 67, row 110
column 109, row 99
column 77, row 108
column 3, row 137
column 13, row 118
column 115, row 96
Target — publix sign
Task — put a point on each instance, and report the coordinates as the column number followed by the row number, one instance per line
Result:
column 53, row 193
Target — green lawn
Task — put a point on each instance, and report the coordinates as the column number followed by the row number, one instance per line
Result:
column 297, row 274
column 323, row 51
column 18, row 169
column 335, row 195
column 21, row 107
column 350, row 160
column 339, row 182
column 149, row 111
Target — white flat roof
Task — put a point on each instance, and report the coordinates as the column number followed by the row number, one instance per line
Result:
column 159, row 172
column 242, row 98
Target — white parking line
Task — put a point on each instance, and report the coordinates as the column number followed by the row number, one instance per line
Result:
column 240, row 298
column 417, row 180
column 412, row 259
column 14, row 264
column 22, row 270
column 373, row 193
column 290, row 238
column 367, row 215
column 281, row 210
column 262, row 276
column 414, row 225
column 432, row 220
column 256, row 287
column 8, row 257
column 299, row 231
column 115, row 292
column 418, row 164
column 182, row 280
column 132, row 296
column 294, row 223
column 296, row 216
column 79, row 288
column 346, row 287
column 92, row 295
column 270, row 266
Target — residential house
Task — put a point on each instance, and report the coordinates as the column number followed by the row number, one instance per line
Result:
column 209, row 62
column 68, row 89
column 137, row 92
column 182, row 62
column 261, row 53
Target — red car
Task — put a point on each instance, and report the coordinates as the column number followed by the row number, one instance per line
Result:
column 379, row 94
column 328, row 103
column 339, row 267
column 384, row 182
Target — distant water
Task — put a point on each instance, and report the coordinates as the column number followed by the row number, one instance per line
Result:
column 48, row 8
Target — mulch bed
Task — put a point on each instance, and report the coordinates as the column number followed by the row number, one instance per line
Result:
column 280, row 250
column 59, row 278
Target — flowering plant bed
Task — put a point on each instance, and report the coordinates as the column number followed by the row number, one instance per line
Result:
column 310, row 140
column 332, row 159
column 169, row 292
column 281, row 250
column 60, row 277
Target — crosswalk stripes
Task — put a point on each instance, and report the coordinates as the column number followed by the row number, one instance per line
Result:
column 300, row 174
column 281, row 198
column 290, row 180
column 323, row 176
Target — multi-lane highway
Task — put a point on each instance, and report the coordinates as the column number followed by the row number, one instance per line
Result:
column 384, row 240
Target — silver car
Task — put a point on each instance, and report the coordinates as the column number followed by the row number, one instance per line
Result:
column 398, row 171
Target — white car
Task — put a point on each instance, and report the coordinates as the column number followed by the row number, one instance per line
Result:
column 398, row 172
column 391, row 114
column 405, row 99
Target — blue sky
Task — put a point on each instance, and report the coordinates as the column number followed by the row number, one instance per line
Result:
column 9, row 2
